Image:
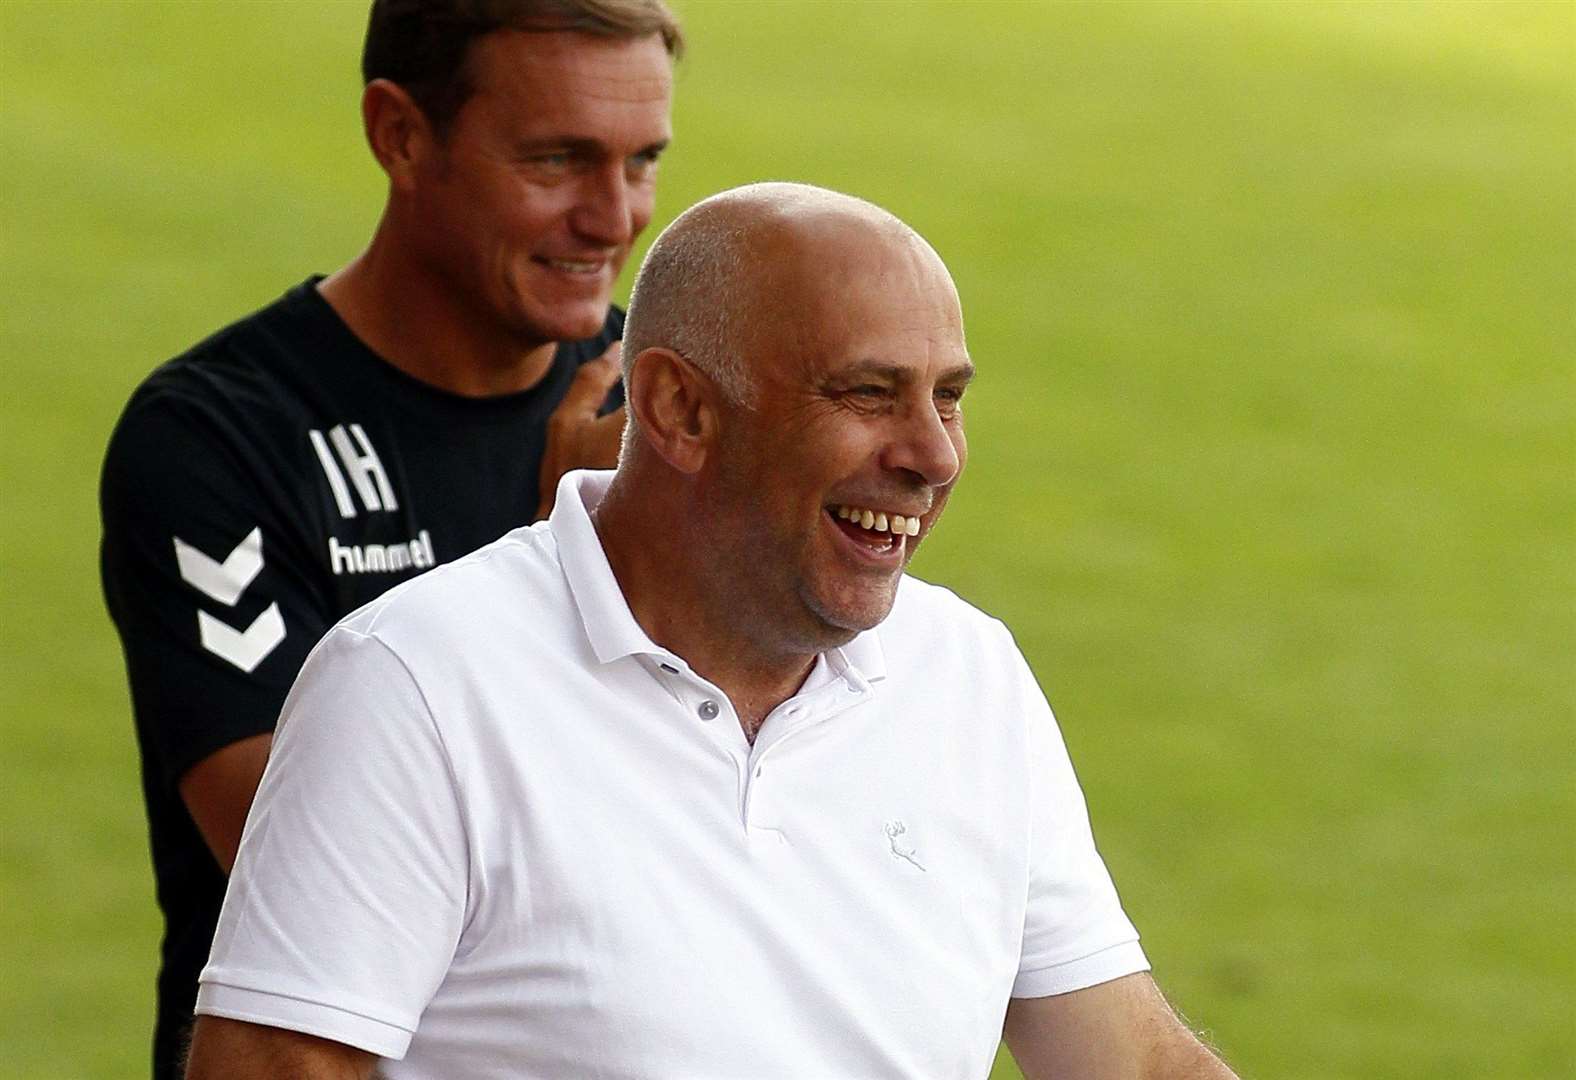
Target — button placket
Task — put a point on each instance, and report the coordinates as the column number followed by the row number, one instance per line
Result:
column 799, row 715
column 669, row 678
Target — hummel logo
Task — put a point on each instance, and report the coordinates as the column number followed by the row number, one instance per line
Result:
column 225, row 582
column 895, row 829
column 243, row 648
column 381, row 558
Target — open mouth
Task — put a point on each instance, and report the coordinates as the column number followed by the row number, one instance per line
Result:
column 589, row 268
column 876, row 531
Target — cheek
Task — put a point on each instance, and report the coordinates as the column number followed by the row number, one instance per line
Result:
column 519, row 214
column 523, row 224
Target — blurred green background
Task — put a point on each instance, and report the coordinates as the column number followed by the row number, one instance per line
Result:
column 1272, row 474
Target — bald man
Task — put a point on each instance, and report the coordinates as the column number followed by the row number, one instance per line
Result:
column 692, row 780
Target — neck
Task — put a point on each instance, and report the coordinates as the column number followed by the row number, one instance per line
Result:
column 422, row 326
column 677, row 611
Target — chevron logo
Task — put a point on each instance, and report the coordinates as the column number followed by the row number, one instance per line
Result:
column 225, row 582
column 243, row 648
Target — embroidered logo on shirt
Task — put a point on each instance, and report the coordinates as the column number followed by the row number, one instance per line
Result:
column 225, row 582
column 900, row 848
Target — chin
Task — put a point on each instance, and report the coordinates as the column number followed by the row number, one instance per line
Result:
column 566, row 326
column 849, row 616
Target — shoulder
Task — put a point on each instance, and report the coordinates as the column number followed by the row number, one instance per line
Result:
column 932, row 633
column 926, row 612
column 461, row 627
column 235, row 377
column 512, row 588
column 231, row 407
column 250, row 346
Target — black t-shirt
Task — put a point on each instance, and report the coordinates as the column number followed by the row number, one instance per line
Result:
column 257, row 489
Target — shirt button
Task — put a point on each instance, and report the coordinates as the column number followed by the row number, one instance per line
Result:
column 707, row 710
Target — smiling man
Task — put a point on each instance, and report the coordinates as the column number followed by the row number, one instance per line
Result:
column 692, row 780
column 366, row 426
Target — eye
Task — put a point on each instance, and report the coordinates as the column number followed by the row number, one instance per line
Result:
column 863, row 398
column 550, row 164
column 643, row 165
column 948, row 401
column 870, row 397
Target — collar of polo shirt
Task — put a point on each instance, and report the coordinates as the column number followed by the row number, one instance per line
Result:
column 610, row 626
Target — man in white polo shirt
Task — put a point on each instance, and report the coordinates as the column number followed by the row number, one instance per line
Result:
column 691, row 781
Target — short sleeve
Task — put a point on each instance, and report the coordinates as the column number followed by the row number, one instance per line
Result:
column 1075, row 932
column 350, row 889
column 205, row 581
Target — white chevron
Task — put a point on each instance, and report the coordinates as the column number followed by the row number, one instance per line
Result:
column 224, row 581
column 245, row 649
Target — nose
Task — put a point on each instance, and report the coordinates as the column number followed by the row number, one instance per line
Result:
column 606, row 209
column 927, row 446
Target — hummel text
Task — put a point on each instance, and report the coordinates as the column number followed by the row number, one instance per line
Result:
column 381, row 558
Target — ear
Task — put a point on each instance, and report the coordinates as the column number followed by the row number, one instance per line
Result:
column 674, row 406
column 397, row 131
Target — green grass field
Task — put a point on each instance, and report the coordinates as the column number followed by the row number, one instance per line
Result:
column 1274, row 453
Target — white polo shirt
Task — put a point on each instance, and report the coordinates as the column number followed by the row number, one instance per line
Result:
column 503, row 834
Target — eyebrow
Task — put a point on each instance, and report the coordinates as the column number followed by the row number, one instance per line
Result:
column 578, row 145
column 898, row 373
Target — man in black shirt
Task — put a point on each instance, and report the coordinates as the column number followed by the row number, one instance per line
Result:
column 400, row 412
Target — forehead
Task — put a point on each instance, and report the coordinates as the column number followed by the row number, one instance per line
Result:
column 564, row 83
column 856, row 300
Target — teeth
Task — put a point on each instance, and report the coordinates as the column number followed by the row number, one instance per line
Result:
column 575, row 267
column 879, row 521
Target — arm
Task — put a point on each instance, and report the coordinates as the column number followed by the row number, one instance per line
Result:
column 214, row 606
column 577, row 438
column 235, row 1050
column 1084, row 1006
column 218, row 792
column 1119, row 1030
column 349, row 894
